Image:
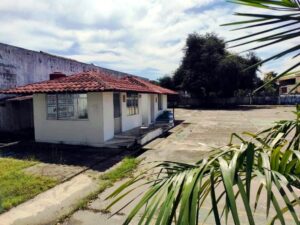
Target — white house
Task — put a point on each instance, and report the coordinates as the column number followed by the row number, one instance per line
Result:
column 89, row 108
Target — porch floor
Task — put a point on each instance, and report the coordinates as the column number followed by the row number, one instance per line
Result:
column 136, row 135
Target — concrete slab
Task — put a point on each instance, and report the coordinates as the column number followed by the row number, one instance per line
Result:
column 57, row 171
column 189, row 142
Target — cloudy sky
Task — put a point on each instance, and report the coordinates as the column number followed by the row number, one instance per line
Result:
column 142, row 37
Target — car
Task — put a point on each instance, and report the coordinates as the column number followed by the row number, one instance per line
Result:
column 166, row 117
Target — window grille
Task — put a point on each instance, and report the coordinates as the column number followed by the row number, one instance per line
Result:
column 132, row 104
column 67, row 106
column 159, row 102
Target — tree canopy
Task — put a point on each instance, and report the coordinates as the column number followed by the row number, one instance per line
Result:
column 208, row 69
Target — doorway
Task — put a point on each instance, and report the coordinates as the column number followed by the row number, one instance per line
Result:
column 117, row 113
column 152, row 102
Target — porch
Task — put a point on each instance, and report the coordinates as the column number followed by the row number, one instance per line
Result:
column 138, row 136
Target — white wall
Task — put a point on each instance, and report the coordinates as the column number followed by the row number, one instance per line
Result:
column 108, row 115
column 157, row 112
column 133, row 121
column 165, row 102
column 146, row 109
column 85, row 132
column 99, row 126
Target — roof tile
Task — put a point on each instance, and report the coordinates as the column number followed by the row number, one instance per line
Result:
column 88, row 82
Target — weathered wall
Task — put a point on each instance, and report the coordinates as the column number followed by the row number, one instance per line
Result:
column 18, row 115
column 20, row 66
column 84, row 132
column 130, row 121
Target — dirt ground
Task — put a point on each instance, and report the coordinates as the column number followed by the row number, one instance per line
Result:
column 188, row 142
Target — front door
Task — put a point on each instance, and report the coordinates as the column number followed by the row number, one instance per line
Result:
column 117, row 113
column 152, row 102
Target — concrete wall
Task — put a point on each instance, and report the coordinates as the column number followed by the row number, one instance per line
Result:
column 165, row 102
column 20, row 66
column 98, row 128
column 85, row 132
column 130, row 122
column 146, row 109
column 19, row 115
column 108, row 115
column 157, row 112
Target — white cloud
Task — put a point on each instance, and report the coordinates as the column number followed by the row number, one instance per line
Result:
column 144, row 37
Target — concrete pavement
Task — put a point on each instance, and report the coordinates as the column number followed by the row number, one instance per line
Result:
column 188, row 142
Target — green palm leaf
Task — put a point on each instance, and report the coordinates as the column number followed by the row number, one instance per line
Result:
column 285, row 27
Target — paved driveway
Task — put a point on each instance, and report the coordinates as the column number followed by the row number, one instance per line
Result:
column 188, row 142
column 200, row 129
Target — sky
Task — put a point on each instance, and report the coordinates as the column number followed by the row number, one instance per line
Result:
column 141, row 37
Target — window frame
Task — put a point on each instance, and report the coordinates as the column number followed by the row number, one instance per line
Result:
column 75, row 96
column 132, row 104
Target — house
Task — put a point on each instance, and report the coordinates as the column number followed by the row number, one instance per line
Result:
column 90, row 108
column 287, row 84
column 18, row 67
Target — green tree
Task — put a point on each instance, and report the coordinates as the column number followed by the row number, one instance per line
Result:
column 270, row 89
column 167, row 82
column 207, row 68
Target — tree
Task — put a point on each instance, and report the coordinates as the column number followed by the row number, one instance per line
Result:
column 208, row 68
column 271, row 156
column 166, row 82
column 270, row 89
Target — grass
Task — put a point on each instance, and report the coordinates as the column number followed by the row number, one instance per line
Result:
column 123, row 170
column 16, row 186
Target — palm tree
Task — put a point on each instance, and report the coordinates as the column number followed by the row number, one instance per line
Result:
column 270, row 158
column 277, row 28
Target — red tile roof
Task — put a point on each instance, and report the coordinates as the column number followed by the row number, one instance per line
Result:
column 88, row 82
column 155, row 88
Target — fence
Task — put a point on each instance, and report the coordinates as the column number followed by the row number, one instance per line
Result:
column 256, row 100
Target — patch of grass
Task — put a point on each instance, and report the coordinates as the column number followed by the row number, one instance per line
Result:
column 123, row 170
column 16, row 186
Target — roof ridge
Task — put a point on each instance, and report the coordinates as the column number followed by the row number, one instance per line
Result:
column 137, row 80
column 99, row 80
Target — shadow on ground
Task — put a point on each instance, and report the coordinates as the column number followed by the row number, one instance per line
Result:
column 23, row 147
column 98, row 159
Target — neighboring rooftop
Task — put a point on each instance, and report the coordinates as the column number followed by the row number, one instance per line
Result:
column 290, row 75
column 92, row 81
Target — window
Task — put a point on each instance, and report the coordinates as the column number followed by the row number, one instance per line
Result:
column 287, row 82
column 159, row 102
column 132, row 104
column 283, row 90
column 67, row 106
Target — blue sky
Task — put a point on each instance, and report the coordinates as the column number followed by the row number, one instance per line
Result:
column 143, row 37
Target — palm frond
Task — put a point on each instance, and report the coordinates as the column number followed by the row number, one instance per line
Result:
column 284, row 27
